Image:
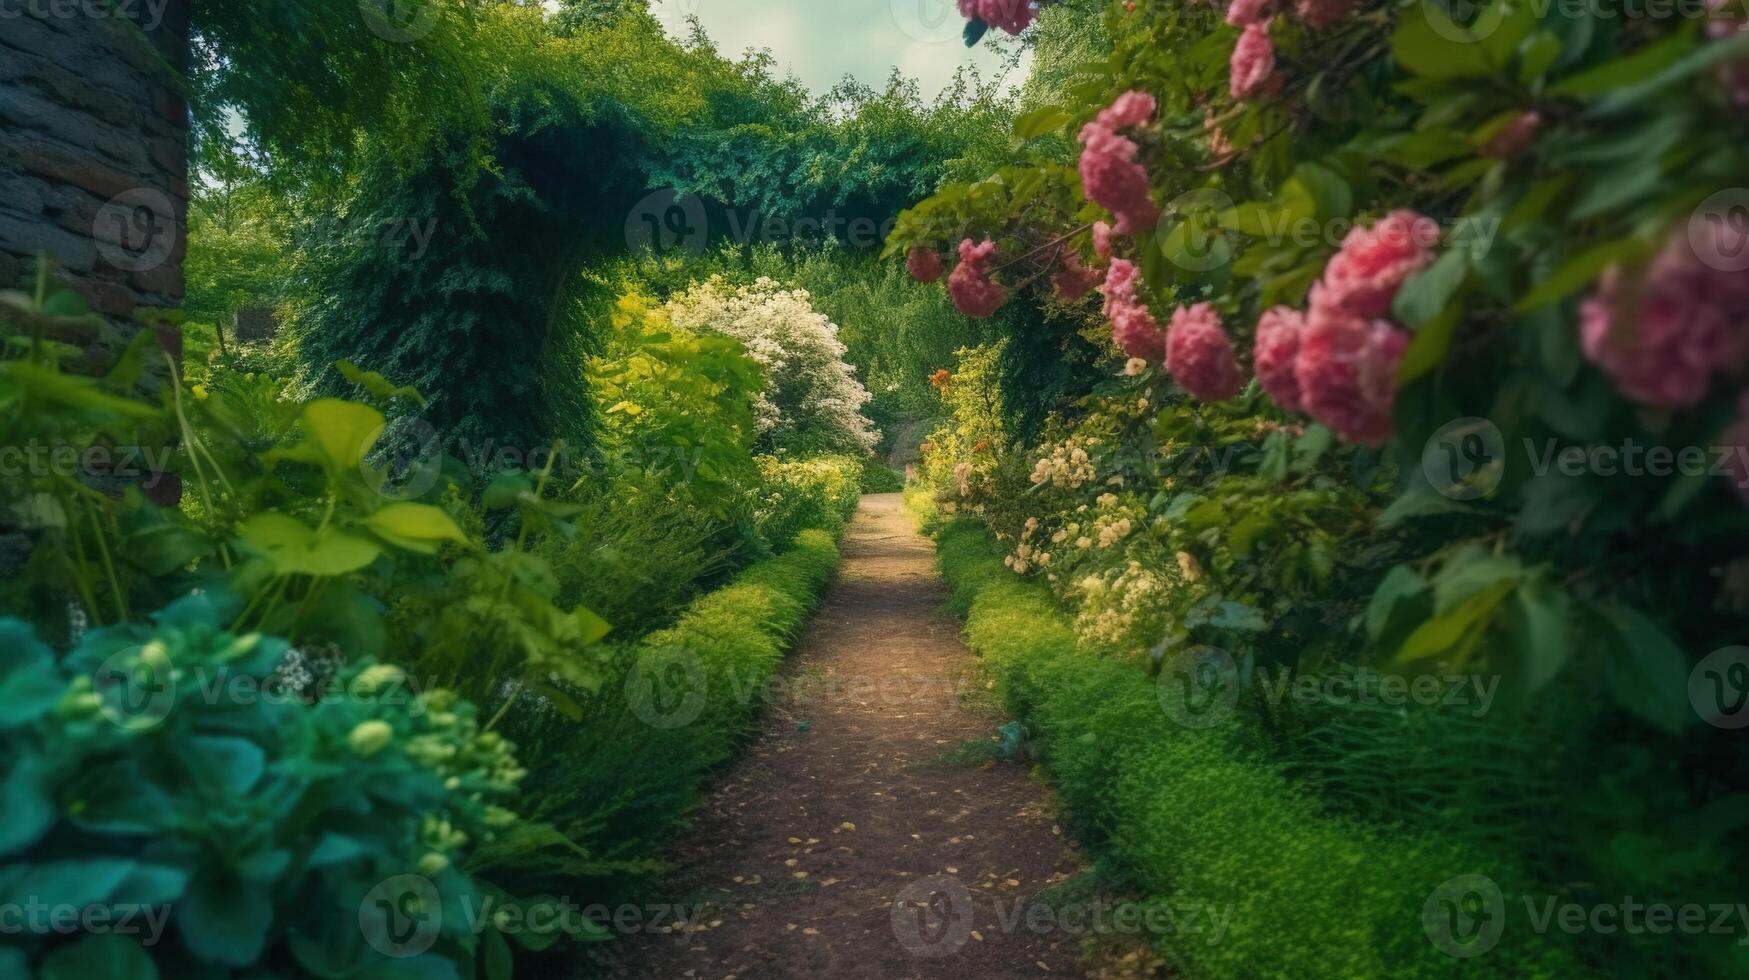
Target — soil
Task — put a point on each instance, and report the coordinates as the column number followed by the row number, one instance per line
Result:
column 853, row 838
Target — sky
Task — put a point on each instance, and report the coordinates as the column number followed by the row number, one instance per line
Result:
column 821, row 41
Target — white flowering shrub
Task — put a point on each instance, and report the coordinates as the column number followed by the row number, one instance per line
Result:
column 812, row 399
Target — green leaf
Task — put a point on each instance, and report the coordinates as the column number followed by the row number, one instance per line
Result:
column 1581, row 270
column 69, row 391
column 1542, row 631
column 111, row 956
column 1427, row 294
column 500, row 964
column 1402, row 589
column 228, row 764
column 343, row 431
column 1331, row 194
column 415, row 527
column 225, row 920
column 1454, row 635
column 1625, row 70
column 29, row 683
column 1648, row 670
column 296, row 549
column 1038, row 122
column 1428, row 347
column 378, row 385
column 1445, row 51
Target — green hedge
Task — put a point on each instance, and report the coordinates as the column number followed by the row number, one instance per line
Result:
column 1204, row 817
column 619, row 782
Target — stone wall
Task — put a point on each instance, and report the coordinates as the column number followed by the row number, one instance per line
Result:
column 94, row 151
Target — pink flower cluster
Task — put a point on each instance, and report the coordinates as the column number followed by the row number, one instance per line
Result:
column 924, row 263
column 1200, row 355
column 1133, row 327
column 1243, row 13
column 1664, row 337
column 1338, row 362
column 974, row 293
column 1075, row 280
column 1252, row 69
column 1012, row 16
column 1110, row 172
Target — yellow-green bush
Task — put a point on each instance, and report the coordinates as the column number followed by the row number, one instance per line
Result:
column 1203, row 816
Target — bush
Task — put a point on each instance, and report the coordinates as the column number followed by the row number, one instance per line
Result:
column 1204, row 816
column 260, row 819
column 878, row 477
column 619, row 781
column 808, row 493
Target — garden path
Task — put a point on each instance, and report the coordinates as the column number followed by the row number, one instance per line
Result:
column 844, row 807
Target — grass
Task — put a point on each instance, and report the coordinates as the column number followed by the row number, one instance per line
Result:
column 1205, row 818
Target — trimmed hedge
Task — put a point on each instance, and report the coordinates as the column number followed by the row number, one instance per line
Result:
column 675, row 706
column 1205, row 817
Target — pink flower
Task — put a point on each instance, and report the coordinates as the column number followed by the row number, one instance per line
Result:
column 1275, row 352
column 1363, row 277
column 1075, row 280
column 1242, row 13
column 1012, row 16
column 1133, row 327
column 973, row 292
column 1102, row 240
column 924, row 263
column 1110, row 172
column 1515, row 137
column 1200, row 355
column 1320, row 14
column 1347, row 374
column 1663, row 338
column 1253, row 63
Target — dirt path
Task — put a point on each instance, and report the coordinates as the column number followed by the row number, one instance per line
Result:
column 843, row 807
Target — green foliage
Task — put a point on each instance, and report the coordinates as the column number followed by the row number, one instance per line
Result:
column 1204, row 816
column 259, row 818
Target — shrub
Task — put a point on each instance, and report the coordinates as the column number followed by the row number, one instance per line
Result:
column 810, row 493
column 260, row 817
column 1204, row 815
